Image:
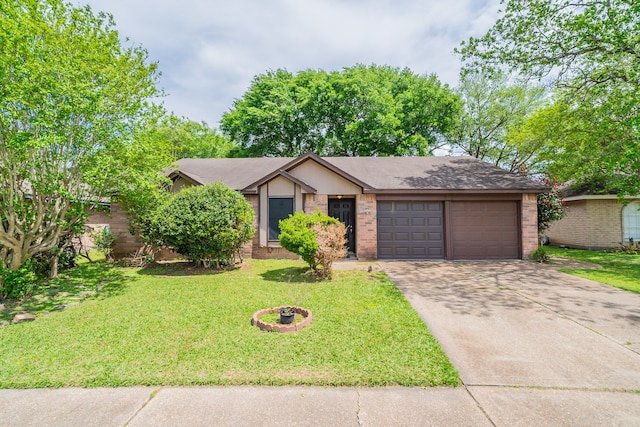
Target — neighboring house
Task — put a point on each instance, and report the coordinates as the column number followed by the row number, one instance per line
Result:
column 393, row 207
column 595, row 221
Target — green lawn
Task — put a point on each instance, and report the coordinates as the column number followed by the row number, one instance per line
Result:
column 618, row 269
column 162, row 326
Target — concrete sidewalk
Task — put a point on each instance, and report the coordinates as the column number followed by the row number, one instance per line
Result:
column 314, row 406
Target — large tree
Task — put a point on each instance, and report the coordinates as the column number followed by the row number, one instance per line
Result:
column 493, row 107
column 359, row 111
column 591, row 52
column 188, row 138
column 72, row 100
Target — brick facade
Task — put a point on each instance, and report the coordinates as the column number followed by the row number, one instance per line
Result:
column 313, row 202
column 366, row 226
column 529, row 224
column 589, row 224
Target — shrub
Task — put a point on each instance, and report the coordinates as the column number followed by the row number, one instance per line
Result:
column 540, row 255
column 317, row 238
column 17, row 284
column 103, row 240
column 631, row 247
column 550, row 206
column 207, row 223
column 331, row 246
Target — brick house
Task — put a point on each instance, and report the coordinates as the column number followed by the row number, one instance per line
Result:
column 393, row 207
column 596, row 221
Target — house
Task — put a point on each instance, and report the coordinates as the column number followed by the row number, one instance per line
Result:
column 595, row 220
column 393, row 207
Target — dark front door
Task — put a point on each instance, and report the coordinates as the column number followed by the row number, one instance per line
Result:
column 345, row 211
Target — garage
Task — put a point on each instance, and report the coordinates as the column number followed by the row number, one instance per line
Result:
column 484, row 230
column 410, row 230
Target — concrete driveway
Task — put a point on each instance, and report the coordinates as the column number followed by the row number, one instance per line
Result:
column 528, row 339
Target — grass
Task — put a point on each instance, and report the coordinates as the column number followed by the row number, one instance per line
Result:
column 618, row 269
column 155, row 326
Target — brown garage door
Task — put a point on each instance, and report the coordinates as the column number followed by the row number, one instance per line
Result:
column 410, row 230
column 484, row 230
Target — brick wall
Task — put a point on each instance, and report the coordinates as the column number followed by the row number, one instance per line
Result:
column 125, row 243
column 589, row 224
column 529, row 224
column 313, row 202
column 605, row 223
column 366, row 226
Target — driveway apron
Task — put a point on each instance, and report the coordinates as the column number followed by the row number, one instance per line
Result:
column 522, row 324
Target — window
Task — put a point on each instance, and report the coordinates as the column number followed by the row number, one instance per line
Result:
column 279, row 208
column 631, row 222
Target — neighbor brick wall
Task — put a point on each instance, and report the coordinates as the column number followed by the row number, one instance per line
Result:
column 605, row 223
column 589, row 224
column 125, row 243
column 366, row 226
column 529, row 224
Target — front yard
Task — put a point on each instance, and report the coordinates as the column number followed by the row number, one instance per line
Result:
column 617, row 269
column 167, row 326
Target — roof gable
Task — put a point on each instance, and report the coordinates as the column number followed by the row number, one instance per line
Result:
column 253, row 187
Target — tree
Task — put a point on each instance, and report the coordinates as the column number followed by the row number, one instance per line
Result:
column 359, row 111
column 493, row 106
column 207, row 223
column 189, row 139
column 591, row 50
column 72, row 100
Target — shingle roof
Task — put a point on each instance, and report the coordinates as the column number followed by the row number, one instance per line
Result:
column 433, row 173
column 236, row 173
column 381, row 174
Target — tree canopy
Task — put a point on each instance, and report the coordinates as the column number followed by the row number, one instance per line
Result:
column 359, row 111
column 72, row 101
column 493, row 107
column 188, row 138
column 591, row 52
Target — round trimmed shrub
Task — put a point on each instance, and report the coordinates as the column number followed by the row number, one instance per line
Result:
column 207, row 223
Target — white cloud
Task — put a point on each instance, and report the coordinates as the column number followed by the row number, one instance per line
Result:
column 209, row 51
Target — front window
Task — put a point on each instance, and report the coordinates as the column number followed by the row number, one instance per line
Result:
column 279, row 208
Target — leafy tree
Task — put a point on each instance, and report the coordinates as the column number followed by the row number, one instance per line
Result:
column 591, row 50
column 72, row 99
column 189, row 139
column 359, row 111
column 207, row 223
column 493, row 106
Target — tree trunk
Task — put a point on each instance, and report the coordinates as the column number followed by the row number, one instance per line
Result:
column 16, row 261
column 53, row 273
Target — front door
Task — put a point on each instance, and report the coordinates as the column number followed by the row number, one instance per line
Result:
column 345, row 211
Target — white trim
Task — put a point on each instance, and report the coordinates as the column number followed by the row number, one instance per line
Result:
column 597, row 197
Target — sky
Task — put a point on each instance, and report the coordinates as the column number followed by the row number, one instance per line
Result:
column 208, row 51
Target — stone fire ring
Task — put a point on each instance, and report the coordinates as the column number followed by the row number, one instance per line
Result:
column 277, row 327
